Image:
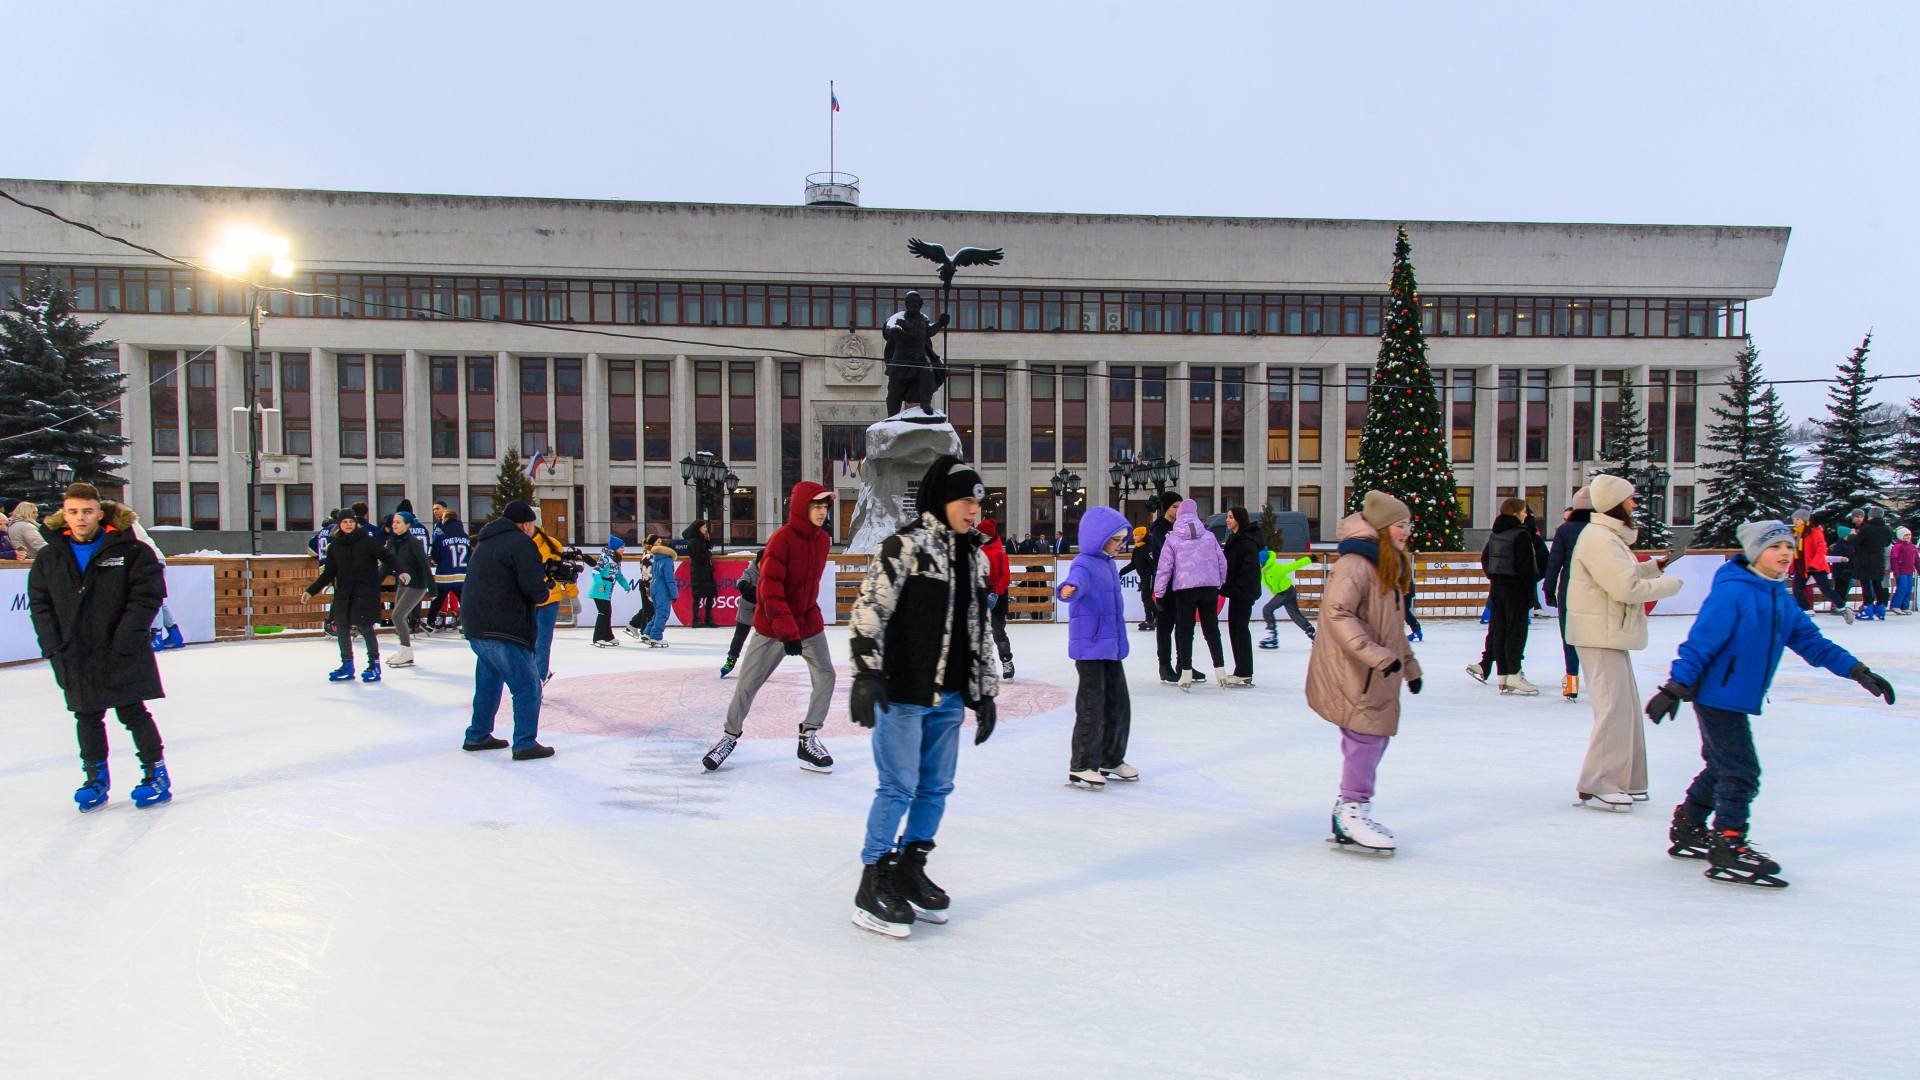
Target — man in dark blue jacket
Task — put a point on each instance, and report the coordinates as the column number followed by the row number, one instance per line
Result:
column 1559, row 571
column 506, row 580
column 1725, row 667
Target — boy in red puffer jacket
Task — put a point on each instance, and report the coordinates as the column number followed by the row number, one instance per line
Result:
column 999, row 581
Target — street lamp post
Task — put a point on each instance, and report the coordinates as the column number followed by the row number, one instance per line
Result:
column 708, row 476
column 1652, row 479
column 55, row 475
column 1067, row 487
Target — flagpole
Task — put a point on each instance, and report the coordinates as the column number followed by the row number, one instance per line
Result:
column 831, row 116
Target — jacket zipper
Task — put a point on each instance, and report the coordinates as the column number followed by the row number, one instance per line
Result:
column 1368, row 685
column 1732, row 663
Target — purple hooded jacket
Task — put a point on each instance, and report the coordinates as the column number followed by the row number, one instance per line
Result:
column 1191, row 558
column 1097, row 615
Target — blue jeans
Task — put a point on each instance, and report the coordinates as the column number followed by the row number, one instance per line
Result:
column 497, row 664
column 544, row 619
column 658, row 627
column 1732, row 775
column 1903, row 592
column 915, row 748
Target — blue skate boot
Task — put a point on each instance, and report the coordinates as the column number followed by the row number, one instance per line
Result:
column 92, row 794
column 154, row 787
column 372, row 674
column 173, row 639
column 343, row 673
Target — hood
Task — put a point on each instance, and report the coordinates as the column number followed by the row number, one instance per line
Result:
column 490, row 530
column 1251, row 534
column 1507, row 522
column 661, row 547
column 1097, row 526
column 1355, row 527
column 799, row 499
column 1187, row 523
column 692, row 531
column 453, row 526
column 112, row 516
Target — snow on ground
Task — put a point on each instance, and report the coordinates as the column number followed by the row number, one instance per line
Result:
column 338, row 891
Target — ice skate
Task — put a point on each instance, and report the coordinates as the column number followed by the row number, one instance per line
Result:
column 653, row 644
column 1272, row 640
column 1688, row 836
column 1638, row 796
column 813, row 754
column 635, row 633
column 1229, row 680
column 1355, row 832
column 1479, row 673
column 1618, row 802
column 343, row 673
column 1122, row 772
column 402, row 657
column 928, row 901
column 1735, row 862
column 726, row 669
column 372, row 674
column 1846, row 614
column 607, row 644
column 92, row 795
column 1412, row 635
column 717, row 756
column 1187, row 679
column 1517, row 684
column 154, row 788
column 1087, row 780
column 173, row 640
column 1570, row 687
column 159, row 641
column 878, row 906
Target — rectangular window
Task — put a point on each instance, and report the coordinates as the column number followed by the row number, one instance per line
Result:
column 962, row 411
column 1233, row 416
column 1683, row 504
column 1584, row 387
column 389, row 406
column 1310, row 506
column 1462, row 409
column 1040, row 415
column 533, row 405
column 163, row 399
column 1073, row 414
column 299, row 507
column 1279, row 415
column 1537, row 415
column 568, row 410
column 993, row 415
column 447, row 495
column 659, row 510
column 1464, row 496
column 707, row 408
column 1279, row 499
column 1153, row 412
column 625, row 515
column 1686, row 416
column 479, row 507
column 742, row 406
column 353, row 405
column 166, row 504
column 623, row 438
column 1200, row 442
column 1506, row 430
column 443, row 387
column 296, row 406
column 790, row 423
column 1359, row 383
column 351, row 494
column 386, row 501
column 203, row 426
column 742, row 514
column 1040, row 513
column 205, row 506
column 1309, row 393
column 1537, row 502
column 1659, row 425
column 1121, row 443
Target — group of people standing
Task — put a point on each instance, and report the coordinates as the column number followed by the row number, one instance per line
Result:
column 1867, row 551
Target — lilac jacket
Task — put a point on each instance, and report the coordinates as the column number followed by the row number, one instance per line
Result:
column 1097, row 615
column 1191, row 558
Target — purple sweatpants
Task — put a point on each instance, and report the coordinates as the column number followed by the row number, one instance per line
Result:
column 1360, row 756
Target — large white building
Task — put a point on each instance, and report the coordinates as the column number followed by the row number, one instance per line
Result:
column 1239, row 346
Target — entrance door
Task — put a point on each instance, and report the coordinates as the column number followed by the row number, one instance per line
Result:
column 555, row 520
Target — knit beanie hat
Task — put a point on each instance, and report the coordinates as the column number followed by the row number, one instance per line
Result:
column 1583, row 499
column 518, row 512
column 1803, row 514
column 1608, row 492
column 1758, row 536
column 1844, row 531
column 1904, row 533
column 1380, row 510
column 959, row 482
column 614, row 543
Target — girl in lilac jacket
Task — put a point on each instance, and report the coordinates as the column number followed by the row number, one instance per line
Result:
column 1097, row 642
column 1192, row 569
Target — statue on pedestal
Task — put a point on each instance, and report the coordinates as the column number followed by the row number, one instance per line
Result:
column 914, row 370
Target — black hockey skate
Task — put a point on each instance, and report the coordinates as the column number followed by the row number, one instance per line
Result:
column 1735, row 862
column 878, row 906
column 928, row 901
column 1689, row 836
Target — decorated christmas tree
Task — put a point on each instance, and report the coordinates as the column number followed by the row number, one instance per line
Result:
column 1754, row 477
column 59, row 395
column 512, row 484
column 1403, row 448
column 1623, row 453
column 1847, row 449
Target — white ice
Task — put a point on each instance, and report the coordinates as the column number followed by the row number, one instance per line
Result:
column 339, row 891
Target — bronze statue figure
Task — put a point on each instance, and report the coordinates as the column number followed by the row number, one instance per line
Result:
column 914, row 370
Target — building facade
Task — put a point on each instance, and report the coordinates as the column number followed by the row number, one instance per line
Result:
column 403, row 366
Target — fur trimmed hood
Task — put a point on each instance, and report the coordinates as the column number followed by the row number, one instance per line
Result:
column 114, row 515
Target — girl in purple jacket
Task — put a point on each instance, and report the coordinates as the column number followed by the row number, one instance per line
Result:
column 1097, row 642
column 1192, row 569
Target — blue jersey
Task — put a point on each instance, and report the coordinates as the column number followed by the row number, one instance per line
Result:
column 318, row 543
column 450, row 555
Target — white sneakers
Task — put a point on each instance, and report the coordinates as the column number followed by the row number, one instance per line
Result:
column 1354, row 831
column 1517, row 684
column 1617, row 802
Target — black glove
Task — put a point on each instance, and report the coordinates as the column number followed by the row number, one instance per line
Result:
column 985, row 714
column 1875, row 685
column 1413, row 685
column 792, row 647
column 868, row 692
column 1390, row 668
column 1666, row 702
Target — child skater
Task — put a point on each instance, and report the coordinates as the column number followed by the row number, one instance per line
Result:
column 748, row 586
column 1362, row 656
column 1724, row 668
column 605, row 576
column 1097, row 643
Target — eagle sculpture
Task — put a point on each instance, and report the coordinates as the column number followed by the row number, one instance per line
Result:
column 966, row 256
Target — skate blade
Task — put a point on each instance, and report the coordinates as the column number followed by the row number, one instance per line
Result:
column 1354, row 847
column 1085, row 785
column 811, row 767
column 1611, row 808
column 866, row 920
column 927, row 915
column 1728, row 877
column 151, row 803
column 1687, row 852
column 102, row 805
column 1519, row 693
column 1116, row 778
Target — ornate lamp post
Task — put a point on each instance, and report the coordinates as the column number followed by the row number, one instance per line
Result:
column 245, row 254
column 1652, row 480
column 55, row 475
column 709, row 478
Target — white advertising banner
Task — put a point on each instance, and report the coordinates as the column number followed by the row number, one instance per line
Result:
column 189, row 599
column 1132, row 607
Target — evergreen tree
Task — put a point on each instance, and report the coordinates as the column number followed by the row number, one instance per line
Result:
column 1623, row 453
column 1754, row 476
column 1905, row 453
column 1846, row 448
column 512, row 484
column 59, row 394
column 1403, row 448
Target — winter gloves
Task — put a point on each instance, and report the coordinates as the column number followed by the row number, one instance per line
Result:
column 1875, row 685
column 985, row 715
column 1390, row 668
column 792, row 647
column 1414, row 685
column 1666, row 703
column 868, row 691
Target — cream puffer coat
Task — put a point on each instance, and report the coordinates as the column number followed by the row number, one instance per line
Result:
column 1608, row 589
column 1363, row 630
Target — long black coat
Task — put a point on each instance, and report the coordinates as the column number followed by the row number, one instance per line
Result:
column 96, row 627
column 1243, row 564
column 406, row 556
column 699, row 562
column 356, row 564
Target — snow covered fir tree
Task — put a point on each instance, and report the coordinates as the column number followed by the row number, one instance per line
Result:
column 1846, row 449
column 1906, row 459
column 1623, row 453
column 59, row 394
column 513, row 482
column 1754, row 476
column 1403, row 447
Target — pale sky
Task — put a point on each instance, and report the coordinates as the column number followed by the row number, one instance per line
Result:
column 1752, row 114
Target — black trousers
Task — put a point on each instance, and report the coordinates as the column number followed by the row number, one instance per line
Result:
column 345, row 632
column 603, row 621
column 1732, row 775
column 1873, row 589
column 703, row 601
column 1163, row 637
column 1240, row 634
column 1203, row 603
column 1102, row 715
column 645, row 615
column 999, row 624
column 1506, row 644
column 1825, row 584
column 91, row 728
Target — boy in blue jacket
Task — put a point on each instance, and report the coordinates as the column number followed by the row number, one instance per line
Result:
column 1724, row 668
column 1097, row 643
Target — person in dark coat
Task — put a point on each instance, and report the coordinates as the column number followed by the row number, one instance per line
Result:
column 356, row 563
column 93, row 592
column 1242, row 588
column 1511, row 563
column 412, row 574
column 506, row 580
column 1872, row 537
column 1559, row 569
column 700, row 572
column 1164, row 511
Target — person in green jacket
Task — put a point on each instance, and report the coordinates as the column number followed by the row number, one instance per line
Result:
column 1277, row 576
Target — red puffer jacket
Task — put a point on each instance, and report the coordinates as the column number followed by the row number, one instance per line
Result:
column 999, row 573
column 790, row 569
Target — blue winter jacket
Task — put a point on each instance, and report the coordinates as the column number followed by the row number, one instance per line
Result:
column 666, row 582
column 1097, row 615
column 1734, row 648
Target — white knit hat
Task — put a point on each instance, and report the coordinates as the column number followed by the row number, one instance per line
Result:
column 1609, row 492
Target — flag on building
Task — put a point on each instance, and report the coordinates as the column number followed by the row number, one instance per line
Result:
column 835, row 99
column 533, row 466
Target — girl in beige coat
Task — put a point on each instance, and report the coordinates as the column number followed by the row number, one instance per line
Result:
column 1606, row 597
column 1361, row 656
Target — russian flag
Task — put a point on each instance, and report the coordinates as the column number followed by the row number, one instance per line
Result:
column 533, row 467
column 835, row 99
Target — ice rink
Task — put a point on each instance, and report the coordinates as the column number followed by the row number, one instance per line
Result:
column 338, row 891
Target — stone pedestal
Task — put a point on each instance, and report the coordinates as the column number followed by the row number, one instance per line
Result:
column 899, row 452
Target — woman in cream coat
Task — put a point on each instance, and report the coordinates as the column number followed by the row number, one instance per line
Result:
column 1606, row 598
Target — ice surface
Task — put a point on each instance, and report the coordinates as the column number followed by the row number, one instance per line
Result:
column 338, row 891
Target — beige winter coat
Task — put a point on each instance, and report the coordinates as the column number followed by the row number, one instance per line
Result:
column 1609, row 589
column 1363, row 630
column 24, row 531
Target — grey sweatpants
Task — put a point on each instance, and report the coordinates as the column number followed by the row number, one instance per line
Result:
column 1617, row 747
column 405, row 599
column 763, row 655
